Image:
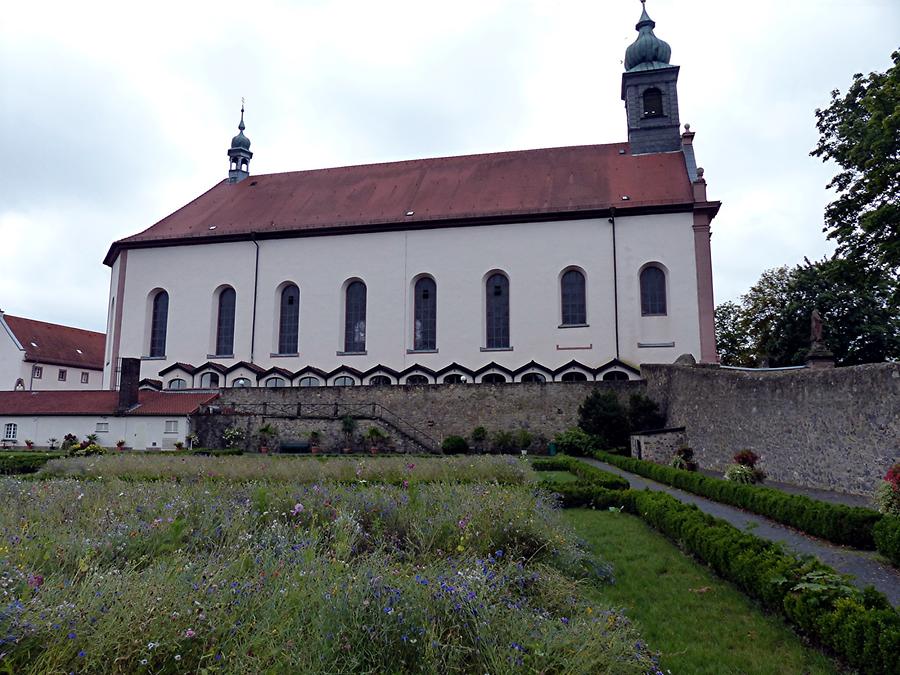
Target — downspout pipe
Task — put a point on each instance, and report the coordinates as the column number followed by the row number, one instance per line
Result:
column 255, row 293
column 612, row 221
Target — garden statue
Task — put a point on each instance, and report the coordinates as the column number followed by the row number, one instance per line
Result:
column 815, row 332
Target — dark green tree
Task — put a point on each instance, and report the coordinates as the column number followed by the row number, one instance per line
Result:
column 860, row 132
column 601, row 415
column 733, row 338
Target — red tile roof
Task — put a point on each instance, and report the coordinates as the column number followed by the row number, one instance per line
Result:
column 446, row 190
column 60, row 345
column 155, row 403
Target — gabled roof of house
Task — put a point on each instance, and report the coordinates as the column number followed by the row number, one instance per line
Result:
column 513, row 186
column 58, row 345
column 102, row 402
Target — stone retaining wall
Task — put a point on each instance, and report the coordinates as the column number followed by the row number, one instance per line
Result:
column 836, row 429
column 438, row 410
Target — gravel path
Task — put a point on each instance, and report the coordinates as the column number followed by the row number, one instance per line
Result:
column 864, row 566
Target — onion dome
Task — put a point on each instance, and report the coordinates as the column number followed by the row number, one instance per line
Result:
column 648, row 52
column 240, row 142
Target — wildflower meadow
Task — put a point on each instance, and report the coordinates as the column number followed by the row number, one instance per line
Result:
column 268, row 573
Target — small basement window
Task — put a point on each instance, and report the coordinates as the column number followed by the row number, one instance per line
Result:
column 102, row 427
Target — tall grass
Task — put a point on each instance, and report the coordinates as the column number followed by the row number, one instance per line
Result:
column 509, row 470
column 122, row 576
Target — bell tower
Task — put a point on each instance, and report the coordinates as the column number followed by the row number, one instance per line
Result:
column 239, row 154
column 649, row 89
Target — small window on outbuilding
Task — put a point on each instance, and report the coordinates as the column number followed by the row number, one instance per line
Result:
column 344, row 381
column 416, row 380
column 493, row 378
column 309, row 381
column 102, row 427
column 275, row 382
column 171, row 426
column 380, row 381
column 615, row 376
column 653, row 103
column 574, row 376
column 534, row 378
column 240, row 383
column 454, row 378
column 9, row 432
column 177, row 383
column 209, row 381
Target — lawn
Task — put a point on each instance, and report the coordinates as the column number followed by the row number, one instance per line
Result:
column 235, row 576
column 699, row 623
column 557, row 476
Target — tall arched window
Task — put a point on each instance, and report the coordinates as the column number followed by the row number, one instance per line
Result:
column 497, row 312
column 355, row 318
column 158, row 324
column 653, row 291
column 425, row 315
column 225, row 323
column 653, row 102
column 574, row 305
column 289, row 320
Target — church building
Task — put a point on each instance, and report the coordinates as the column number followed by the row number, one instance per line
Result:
column 556, row 264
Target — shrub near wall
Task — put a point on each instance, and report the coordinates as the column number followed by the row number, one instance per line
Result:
column 887, row 539
column 846, row 525
column 24, row 462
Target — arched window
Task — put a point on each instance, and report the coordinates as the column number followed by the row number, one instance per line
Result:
column 158, row 322
column 574, row 376
column 454, row 378
column 355, row 318
column 275, row 382
column 653, row 102
column 653, row 291
column 177, row 383
column 225, row 323
column 380, row 381
column 497, row 312
column 240, row 383
column 614, row 376
column 309, row 382
column 209, row 380
column 574, row 306
column 416, row 380
column 289, row 320
column 344, row 381
column 534, row 378
column 425, row 315
column 493, row 378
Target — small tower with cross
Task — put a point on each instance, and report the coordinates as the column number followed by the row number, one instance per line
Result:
column 239, row 154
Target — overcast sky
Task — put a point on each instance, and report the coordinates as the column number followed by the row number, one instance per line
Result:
column 112, row 117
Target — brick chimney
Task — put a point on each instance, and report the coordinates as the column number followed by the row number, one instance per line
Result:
column 129, row 380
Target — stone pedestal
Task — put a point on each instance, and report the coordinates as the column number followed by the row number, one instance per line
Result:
column 819, row 356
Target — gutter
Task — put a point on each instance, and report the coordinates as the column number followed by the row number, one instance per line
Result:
column 255, row 293
column 612, row 221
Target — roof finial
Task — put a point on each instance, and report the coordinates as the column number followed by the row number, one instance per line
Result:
column 241, row 125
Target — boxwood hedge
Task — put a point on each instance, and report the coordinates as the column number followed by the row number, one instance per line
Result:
column 845, row 525
column 887, row 539
column 584, row 472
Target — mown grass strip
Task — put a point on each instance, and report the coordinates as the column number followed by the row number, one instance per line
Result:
column 700, row 624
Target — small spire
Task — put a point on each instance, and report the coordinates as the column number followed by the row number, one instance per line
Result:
column 647, row 52
column 645, row 19
column 241, row 126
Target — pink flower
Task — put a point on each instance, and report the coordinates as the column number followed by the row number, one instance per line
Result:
column 297, row 510
column 35, row 580
column 405, row 484
column 189, row 633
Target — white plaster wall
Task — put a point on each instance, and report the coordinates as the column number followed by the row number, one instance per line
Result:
column 10, row 359
column 138, row 432
column 532, row 254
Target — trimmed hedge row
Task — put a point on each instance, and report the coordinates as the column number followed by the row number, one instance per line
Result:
column 859, row 626
column 847, row 525
column 24, row 462
column 887, row 539
column 584, row 472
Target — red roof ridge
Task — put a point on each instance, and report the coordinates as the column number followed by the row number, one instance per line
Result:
column 50, row 323
column 439, row 158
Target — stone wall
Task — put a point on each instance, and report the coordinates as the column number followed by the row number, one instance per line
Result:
column 437, row 410
column 658, row 446
column 836, row 429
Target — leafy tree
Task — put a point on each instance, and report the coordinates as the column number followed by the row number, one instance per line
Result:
column 860, row 131
column 643, row 413
column 733, row 338
column 858, row 304
column 602, row 415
